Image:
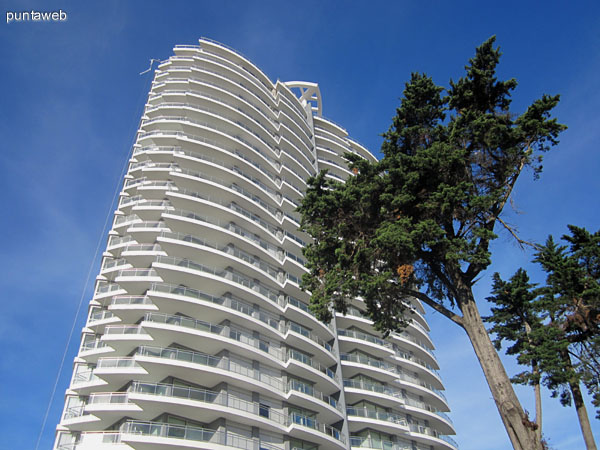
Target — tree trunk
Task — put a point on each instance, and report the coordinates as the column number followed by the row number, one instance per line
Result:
column 538, row 403
column 584, row 421
column 520, row 430
column 535, row 370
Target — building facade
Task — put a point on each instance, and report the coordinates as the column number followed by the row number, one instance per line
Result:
column 198, row 334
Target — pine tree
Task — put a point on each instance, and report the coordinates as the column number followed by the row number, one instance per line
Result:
column 420, row 221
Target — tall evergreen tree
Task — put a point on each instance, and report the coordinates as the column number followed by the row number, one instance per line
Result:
column 420, row 221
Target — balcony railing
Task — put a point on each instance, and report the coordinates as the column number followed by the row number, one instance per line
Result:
column 298, row 386
column 209, row 361
column 377, row 415
column 367, row 442
column 378, row 388
column 215, row 329
column 130, row 300
column 100, row 315
column 237, row 305
column 421, row 429
column 364, row 337
column 83, row 377
column 224, row 399
column 190, row 433
column 305, row 359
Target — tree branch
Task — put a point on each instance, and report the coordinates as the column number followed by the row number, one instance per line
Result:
column 438, row 307
column 522, row 242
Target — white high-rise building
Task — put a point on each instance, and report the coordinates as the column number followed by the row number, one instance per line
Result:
column 198, row 335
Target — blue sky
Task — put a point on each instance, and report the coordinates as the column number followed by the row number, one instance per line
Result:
column 71, row 101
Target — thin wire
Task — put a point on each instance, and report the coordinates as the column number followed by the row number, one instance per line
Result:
column 87, row 279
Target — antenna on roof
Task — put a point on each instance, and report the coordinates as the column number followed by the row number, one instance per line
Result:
column 152, row 61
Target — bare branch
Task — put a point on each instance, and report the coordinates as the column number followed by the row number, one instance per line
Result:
column 522, row 242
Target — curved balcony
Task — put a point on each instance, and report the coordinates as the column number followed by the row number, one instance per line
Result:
column 224, row 108
column 214, row 337
column 221, row 368
column 360, row 418
column 378, row 444
column 362, row 364
column 207, row 406
column 136, row 280
column 351, row 339
column 429, row 436
column 130, row 308
column 429, row 372
column 188, row 364
column 355, row 364
column 184, row 272
column 148, row 435
column 192, row 83
column 226, row 134
column 171, row 298
column 303, row 365
column 357, row 390
column 91, row 350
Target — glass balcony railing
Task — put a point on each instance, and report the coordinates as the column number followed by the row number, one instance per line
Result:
column 190, row 433
column 209, row 397
column 123, row 329
column 209, row 361
column 363, row 359
column 377, row 415
column 137, row 273
column 215, row 362
column 309, row 422
column 305, row 359
column 231, row 401
column 220, row 330
column 84, row 377
column 297, row 328
column 230, row 275
column 130, row 300
column 232, row 303
column 108, row 398
column 372, row 443
column 378, row 388
column 399, row 352
column 298, row 386
column 95, row 344
column 100, row 315
column 422, row 429
column 364, row 337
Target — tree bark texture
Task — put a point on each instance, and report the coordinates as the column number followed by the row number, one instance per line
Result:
column 584, row 421
column 520, row 430
column 538, row 406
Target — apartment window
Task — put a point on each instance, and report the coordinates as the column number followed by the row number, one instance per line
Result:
column 264, row 410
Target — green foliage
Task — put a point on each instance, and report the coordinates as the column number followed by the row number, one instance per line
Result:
column 557, row 326
column 449, row 165
column 516, row 319
column 571, row 300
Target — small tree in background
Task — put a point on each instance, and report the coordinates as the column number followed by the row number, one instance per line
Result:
column 419, row 222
